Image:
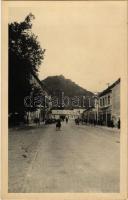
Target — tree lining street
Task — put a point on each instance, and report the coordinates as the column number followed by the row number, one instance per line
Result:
column 76, row 159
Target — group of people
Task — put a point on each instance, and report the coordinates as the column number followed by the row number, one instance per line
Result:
column 58, row 123
column 77, row 121
column 99, row 122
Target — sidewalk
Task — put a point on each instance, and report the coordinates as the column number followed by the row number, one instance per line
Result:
column 108, row 128
column 114, row 129
column 26, row 126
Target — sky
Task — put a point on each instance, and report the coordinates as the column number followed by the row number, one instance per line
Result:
column 84, row 41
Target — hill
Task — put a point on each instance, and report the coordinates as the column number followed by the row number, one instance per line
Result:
column 53, row 84
column 56, row 85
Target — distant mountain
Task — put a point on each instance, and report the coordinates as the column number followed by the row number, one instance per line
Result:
column 56, row 85
column 59, row 83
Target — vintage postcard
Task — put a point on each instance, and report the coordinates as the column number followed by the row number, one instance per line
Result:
column 64, row 100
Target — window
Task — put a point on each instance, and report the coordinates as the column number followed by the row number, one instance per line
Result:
column 108, row 99
column 100, row 102
column 105, row 100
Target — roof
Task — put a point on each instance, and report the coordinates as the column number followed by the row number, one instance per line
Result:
column 109, row 89
column 38, row 80
column 36, row 77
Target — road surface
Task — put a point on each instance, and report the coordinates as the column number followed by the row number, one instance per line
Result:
column 76, row 159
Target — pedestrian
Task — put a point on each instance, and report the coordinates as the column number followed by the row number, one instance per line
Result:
column 77, row 121
column 119, row 124
column 112, row 123
column 37, row 121
column 58, row 125
column 66, row 120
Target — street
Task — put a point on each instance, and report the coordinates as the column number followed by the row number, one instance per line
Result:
column 79, row 158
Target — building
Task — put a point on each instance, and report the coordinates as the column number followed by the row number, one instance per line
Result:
column 41, row 103
column 106, row 108
column 90, row 115
column 109, row 105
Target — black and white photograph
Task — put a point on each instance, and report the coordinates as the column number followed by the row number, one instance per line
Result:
column 66, row 74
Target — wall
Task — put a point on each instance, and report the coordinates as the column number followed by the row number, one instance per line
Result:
column 116, row 103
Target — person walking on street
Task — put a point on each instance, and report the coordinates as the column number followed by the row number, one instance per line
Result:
column 77, row 121
column 58, row 125
column 66, row 120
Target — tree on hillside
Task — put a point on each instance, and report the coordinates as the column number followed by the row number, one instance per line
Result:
column 25, row 57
